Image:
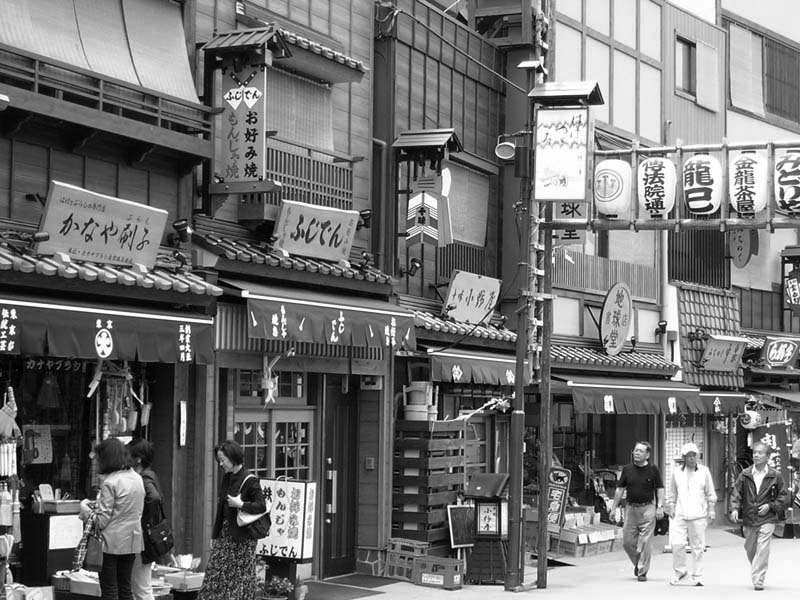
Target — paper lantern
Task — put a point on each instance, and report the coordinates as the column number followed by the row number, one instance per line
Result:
column 612, row 187
column 702, row 184
column 747, row 183
column 657, row 178
column 787, row 182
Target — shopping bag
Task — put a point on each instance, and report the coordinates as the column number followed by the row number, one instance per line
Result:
column 158, row 537
column 93, row 561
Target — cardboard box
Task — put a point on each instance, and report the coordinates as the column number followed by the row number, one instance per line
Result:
column 62, row 507
column 185, row 581
column 87, row 588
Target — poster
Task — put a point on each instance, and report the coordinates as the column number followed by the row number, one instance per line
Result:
column 562, row 137
column 291, row 534
column 38, row 443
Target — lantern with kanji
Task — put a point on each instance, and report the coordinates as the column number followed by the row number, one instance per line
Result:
column 657, row 178
column 612, row 187
column 787, row 182
column 702, row 184
column 747, row 182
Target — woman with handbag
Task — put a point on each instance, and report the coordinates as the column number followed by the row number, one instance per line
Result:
column 231, row 570
column 141, row 452
column 117, row 514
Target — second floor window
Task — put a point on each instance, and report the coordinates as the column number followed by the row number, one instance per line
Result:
column 685, row 66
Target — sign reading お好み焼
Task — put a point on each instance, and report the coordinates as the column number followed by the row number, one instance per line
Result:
column 86, row 225
column 615, row 319
column 244, row 123
column 471, row 298
column 315, row 231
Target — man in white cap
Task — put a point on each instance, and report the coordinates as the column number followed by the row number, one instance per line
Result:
column 690, row 504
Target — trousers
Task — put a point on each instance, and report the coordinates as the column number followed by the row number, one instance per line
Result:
column 637, row 535
column 756, row 546
column 142, row 579
column 695, row 530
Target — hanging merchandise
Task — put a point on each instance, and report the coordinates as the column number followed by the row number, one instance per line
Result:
column 787, row 182
column 747, row 183
column 6, row 511
column 8, row 415
column 612, row 187
column 49, row 395
column 657, row 178
column 702, row 184
column 145, row 420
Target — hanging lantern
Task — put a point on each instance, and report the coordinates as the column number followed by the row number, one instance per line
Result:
column 702, row 184
column 747, row 183
column 787, row 182
column 657, row 178
column 612, row 187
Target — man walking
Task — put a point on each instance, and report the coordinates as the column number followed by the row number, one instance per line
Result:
column 759, row 494
column 690, row 504
column 645, row 503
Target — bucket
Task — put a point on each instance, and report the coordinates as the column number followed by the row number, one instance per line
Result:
column 418, row 393
column 415, row 412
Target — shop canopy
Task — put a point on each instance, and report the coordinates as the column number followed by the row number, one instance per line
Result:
column 294, row 315
column 461, row 366
column 788, row 395
column 621, row 395
column 103, row 331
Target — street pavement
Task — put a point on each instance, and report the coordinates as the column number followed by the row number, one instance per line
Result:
column 610, row 575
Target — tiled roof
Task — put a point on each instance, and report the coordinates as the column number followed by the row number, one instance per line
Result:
column 568, row 356
column 431, row 322
column 306, row 44
column 716, row 312
column 261, row 253
column 161, row 277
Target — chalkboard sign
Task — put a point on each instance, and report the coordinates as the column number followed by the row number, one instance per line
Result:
column 461, row 519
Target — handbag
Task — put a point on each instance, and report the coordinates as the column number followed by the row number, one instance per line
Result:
column 158, row 539
column 256, row 525
column 93, row 560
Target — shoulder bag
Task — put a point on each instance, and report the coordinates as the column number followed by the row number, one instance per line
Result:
column 256, row 525
column 91, row 547
column 158, row 537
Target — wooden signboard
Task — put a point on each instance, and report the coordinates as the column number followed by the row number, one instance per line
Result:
column 461, row 519
column 315, row 231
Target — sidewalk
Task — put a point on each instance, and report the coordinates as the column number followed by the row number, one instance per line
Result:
column 611, row 576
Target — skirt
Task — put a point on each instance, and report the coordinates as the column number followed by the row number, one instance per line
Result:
column 231, row 570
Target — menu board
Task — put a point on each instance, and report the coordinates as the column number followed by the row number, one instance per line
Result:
column 291, row 534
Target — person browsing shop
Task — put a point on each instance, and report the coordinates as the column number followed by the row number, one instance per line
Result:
column 644, row 492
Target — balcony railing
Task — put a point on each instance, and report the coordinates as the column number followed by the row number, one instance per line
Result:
column 576, row 271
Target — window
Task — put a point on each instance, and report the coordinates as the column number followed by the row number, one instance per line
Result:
column 685, row 66
column 781, row 73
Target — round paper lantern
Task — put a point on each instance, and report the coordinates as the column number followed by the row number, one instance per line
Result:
column 612, row 187
column 747, row 183
column 657, row 178
column 787, row 182
column 702, row 184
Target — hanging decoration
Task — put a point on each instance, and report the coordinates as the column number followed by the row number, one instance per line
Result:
column 787, row 182
column 702, row 184
column 747, row 183
column 612, row 187
column 657, row 178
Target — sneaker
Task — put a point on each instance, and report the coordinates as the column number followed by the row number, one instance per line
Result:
column 698, row 584
column 644, row 578
column 635, row 570
column 758, row 587
column 682, row 580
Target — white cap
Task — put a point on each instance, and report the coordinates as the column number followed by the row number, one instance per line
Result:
column 689, row 447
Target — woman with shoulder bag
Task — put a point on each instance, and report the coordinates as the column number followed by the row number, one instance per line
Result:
column 118, row 516
column 231, row 570
column 141, row 452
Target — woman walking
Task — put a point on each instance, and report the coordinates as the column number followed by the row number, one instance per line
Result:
column 231, row 570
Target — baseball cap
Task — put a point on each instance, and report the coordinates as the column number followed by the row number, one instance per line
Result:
column 689, row 447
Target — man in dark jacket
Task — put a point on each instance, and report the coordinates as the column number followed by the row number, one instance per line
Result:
column 759, row 495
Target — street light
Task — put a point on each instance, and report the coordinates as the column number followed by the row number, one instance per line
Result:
column 530, row 347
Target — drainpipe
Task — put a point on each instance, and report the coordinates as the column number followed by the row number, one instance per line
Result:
column 381, row 247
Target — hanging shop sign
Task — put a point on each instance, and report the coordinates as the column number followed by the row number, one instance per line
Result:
column 293, row 511
column 747, row 183
column 85, row 225
column 562, row 138
column 557, row 494
column 612, row 187
column 743, row 244
column 570, row 210
column 780, row 352
column 471, row 298
column 315, row 231
column 774, row 436
column 657, row 178
column 791, row 292
column 428, row 216
column 243, row 124
column 702, row 184
column 723, row 353
column 616, row 318
column 787, row 183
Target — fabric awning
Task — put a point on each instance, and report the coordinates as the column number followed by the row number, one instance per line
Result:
column 284, row 314
column 793, row 397
column 621, row 395
column 461, row 366
column 100, row 331
column 716, row 403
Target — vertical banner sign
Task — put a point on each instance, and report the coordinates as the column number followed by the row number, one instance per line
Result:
column 562, row 138
column 291, row 534
column 244, row 122
column 557, row 493
column 775, row 437
column 791, row 291
column 570, row 210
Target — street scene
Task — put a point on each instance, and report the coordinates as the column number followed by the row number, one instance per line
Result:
column 349, row 298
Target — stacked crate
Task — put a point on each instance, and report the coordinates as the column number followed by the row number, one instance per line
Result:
column 400, row 557
column 429, row 465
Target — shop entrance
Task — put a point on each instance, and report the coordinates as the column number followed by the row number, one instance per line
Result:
column 340, row 476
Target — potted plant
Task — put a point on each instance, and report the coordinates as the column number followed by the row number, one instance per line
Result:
column 278, row 588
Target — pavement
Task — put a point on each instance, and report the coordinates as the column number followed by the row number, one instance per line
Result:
column 610, row 575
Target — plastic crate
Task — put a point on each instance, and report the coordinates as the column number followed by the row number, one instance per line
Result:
column 406, row 546
column 439, row 572
column 399, row 565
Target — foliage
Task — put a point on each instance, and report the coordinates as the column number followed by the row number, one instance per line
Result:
column 279, row 586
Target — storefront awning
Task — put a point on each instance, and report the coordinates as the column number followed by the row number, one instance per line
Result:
column 621, row 395
column 460, row 366
column 101, row 331
column 722, row 403
column 793, row 397
column 284, row 314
